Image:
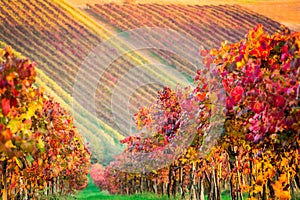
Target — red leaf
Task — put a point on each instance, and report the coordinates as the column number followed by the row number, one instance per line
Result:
column 14, row 102
column 249, row 137
column 5, row 106
column 237, row 93
column 257, row 107
column 279, row 101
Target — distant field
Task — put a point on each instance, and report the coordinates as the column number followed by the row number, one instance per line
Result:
column 184, row 2
column 206, row 25
column 286, row 12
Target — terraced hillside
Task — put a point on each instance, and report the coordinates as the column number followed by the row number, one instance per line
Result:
column 59, row 37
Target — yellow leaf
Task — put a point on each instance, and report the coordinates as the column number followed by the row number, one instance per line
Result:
column 19, row 163
column 41, row 145
column 28, row 132
column 257, row 189
column 40, row 161
column 31, row 109
column 240, row 64
column 10, row 77
column 9, row 144
column 1, row 52
column 224, row 43
column 14, row 125
column 284, row 195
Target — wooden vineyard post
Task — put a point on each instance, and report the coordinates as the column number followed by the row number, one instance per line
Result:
column 217, row 193
column 251, row 178
column 141, row 184
column 219, row 176
column 212, row 186
column 133, row 185
column 238, row 180
column 155, row 185
column 174, row 185
column 289, row 181
column 264, row 192
column 4, row 180
column 193, row 189
column 170, row 181
column 164, row 187
column 126, row 184
column 148, row 184
column 180, row 182
column 123, row 186
column 201, row 188
column 232, row 194
column 232, row 157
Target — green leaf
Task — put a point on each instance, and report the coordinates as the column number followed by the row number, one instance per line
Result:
column 29, row 159
column 41, row 145
column 279, row 46
column 18, row 87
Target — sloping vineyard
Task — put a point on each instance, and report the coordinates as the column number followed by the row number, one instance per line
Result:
column 55, row 35
column 256, row 129
column 59, row 37
column 207, row 25
column 50, row 35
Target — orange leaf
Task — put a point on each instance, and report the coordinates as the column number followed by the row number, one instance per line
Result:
column 7, row 135
column 201, row 96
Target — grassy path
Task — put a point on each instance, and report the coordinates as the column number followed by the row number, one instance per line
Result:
column 91, row 192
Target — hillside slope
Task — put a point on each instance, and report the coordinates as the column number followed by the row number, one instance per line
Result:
column 194, row 27
column 59, row 37
column 286, row 12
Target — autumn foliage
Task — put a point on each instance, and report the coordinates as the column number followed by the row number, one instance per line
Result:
column 97, row 174
column 41, row 151
column 257, row 152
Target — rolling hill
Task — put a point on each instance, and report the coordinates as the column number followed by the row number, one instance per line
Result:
column 62, row 38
